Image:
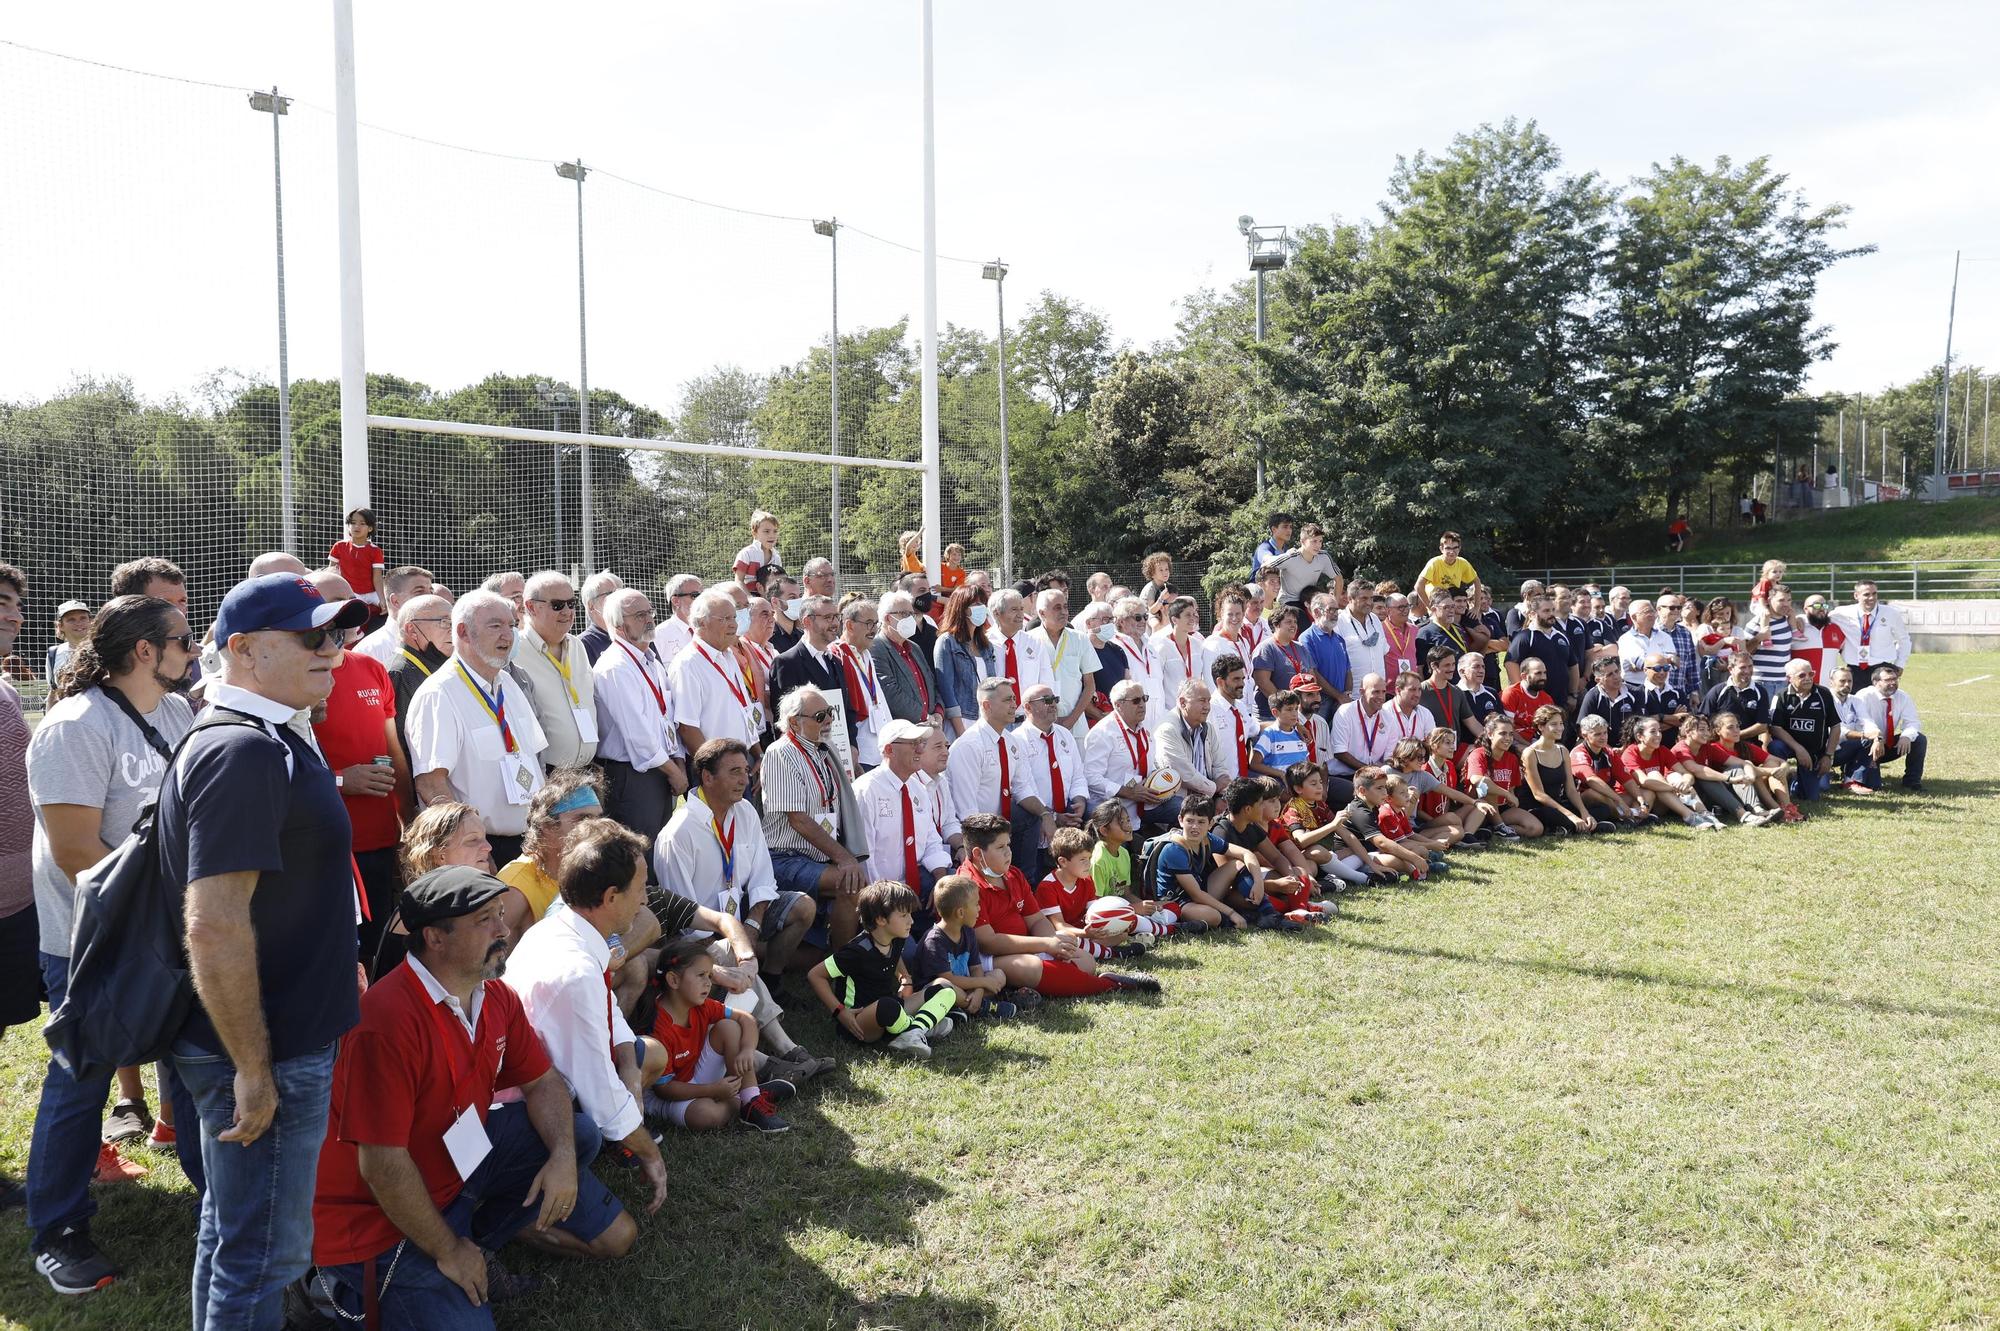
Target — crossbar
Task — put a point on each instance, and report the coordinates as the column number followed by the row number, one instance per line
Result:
column 513, row 432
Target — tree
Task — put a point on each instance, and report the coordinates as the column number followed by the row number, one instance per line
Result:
column 1059, row 350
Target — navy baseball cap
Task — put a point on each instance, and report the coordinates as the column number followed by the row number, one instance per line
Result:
column 283, row 601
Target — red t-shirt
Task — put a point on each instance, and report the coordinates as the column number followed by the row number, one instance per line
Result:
column 1505, row 770
column 1522, row 706
column 1431, row 804
column 1069, row 903
column 685, row 1043
column 1585, row 764
column 1629, row 763
column 358, row 712
column 1004, row 909
column 1393, row 822
column 1754, row 752
column 403, row 1077
column 357, row 564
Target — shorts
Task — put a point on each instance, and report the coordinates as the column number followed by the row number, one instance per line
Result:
column 709, row 1067
column 796, row 873
column 20, row 968
column 777, row 912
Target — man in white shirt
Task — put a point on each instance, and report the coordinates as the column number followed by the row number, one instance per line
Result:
column 933, row 775
column 1360, row 631
column 640, row 749
column 1362, row 735
column 1018, row 655
column 713, row 696
column 1232, row 722
column 1120, row 762
column 1185, row 741
column 1874, row 633
column 902, row 841
column 992, row 770
column 676, row 631
column 560, row 970
column 1408, row 717
column 597, row 589
column 1889, row 720
column 1132, row 637
column 1055, row 759
column 399, row 587
column 1641, row 641
column 859, row 623
column 811, row 821
column 553, row 666
column 473, row 735
column 1073, row 663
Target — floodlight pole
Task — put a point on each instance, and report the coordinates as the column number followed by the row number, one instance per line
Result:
column 831, row 230
column 1965, row 420
column 1260, row 338
column 276, row 106
column 996, row 273
column 577, row 171
column 1986, row 429
column 933, row 491
column 353, row 356
column 1939, row 490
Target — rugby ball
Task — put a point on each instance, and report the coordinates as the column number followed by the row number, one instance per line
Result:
column 1111, row 916
column 1162, row 782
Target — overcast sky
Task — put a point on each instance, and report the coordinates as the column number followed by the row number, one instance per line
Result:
column 1104, row 149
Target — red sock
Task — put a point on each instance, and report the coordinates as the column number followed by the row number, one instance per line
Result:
column 1060, row 979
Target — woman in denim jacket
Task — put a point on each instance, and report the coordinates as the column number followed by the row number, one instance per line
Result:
column 963, row 656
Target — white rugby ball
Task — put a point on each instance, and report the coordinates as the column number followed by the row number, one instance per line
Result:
column 1111, row 916
column 1162, row 782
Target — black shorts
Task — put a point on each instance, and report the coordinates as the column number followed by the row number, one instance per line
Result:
column 20, row 968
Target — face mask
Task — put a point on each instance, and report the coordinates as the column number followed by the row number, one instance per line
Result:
column 795, row 607
column 743, row 620
column 976, row 616
column 923, row 602
column 1105, row 633
column 906, row 625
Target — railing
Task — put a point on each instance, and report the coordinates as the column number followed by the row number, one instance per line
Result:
column 1896, row 580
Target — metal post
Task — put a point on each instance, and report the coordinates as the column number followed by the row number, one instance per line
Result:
column 1939, row 489
column 353, row 354
column 555, row 450
column 1260, row 338
column 933, row 491
column 583, row 391
column 1006, row 473
column 1965, row 422
column 1986, row 428
column 831, row 230
column 1839, row 449
column 287, row 484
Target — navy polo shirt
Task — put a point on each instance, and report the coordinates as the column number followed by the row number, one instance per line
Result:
column 1551, row 647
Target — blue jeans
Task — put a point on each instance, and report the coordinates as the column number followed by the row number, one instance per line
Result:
column 256, row 1216
column 62, row 1153
column 1851, row 760
column 488, row 1211
column 1808, row 784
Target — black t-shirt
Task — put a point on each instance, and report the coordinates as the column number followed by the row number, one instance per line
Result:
column 1251, row 838
column 1616, row 710
column 1551, row 648
column 1662, row 702
column 230, row 806
column 783, row 639
column 1812, row 718
column 1361, row 822
column 862, row 973
column 1751, row 703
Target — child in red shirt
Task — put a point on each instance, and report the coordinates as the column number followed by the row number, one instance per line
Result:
column 360, row 560
column 711, row 1075
column 1013, row 931
column 1066, row 895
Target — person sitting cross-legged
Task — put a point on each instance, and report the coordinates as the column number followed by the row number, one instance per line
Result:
column 423, row 1178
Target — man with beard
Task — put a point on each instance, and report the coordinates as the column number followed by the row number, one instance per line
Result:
column 1819, row 640
column 423, row 1178
column 1541, row 638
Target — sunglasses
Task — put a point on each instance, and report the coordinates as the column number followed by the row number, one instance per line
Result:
column 561, row 606
column 184, row 641
column 817, row 717
column 1651, row 668
column 314, row 639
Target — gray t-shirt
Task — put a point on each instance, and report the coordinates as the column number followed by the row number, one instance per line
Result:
column 1298, row 573
column 86, row 751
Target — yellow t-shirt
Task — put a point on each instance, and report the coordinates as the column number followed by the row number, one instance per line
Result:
column 526, row 877
column 1458, row 573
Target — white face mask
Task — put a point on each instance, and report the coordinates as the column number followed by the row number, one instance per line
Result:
column 795, row 607
column 905, row 625
column 976, row 616
column 1106, row 632
column 743, row 621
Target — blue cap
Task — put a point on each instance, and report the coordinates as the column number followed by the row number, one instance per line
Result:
column 283, row 601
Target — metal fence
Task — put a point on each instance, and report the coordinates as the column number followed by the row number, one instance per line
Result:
column 1898, row 580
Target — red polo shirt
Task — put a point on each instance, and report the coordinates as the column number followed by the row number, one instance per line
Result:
column 1006, row 908
column 358, row 714
column 393, row 1085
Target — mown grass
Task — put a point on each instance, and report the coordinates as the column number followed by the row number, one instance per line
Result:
column 1957, row 529
column 1744, row 1080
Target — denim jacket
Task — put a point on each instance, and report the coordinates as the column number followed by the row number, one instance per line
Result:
column 958, row 676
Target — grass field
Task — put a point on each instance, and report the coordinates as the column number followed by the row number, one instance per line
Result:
column 1741, row 1080
column 1957, row 529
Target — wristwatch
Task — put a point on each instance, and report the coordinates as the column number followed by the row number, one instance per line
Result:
column 339, row 781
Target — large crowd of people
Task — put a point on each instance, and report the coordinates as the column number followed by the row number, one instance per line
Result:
column 487, row 892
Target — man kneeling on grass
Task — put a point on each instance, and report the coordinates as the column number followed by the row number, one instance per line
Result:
column 865, row 986
column 423, row 1177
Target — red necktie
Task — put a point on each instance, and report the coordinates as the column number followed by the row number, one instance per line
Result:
column 1013, row 668
column 1006, row 782
column 1889, row 724
column 1242, row 744
column 911, row 870
column 1055, row 773
column 923, row 689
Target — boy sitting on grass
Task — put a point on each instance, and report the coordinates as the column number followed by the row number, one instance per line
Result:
column 1067, row 894
column 875, row 998
column 1013, row 930
column 1111, row 872
column 1294, row 902
column 1398, row 820
column 1371, row 793
column 1263, row 870
column 1195, row 866
column 950, row 950
column 711, row 1075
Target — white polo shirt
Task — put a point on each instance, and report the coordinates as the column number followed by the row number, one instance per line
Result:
column 1177, row 666
column 973, row 770
column 1070, row 658
column 451, row 728
column 688, row 858
column 1108, row 758
column 880, row 794
column 1142, row 665
column 671, row 636
column 711, row 694
column 1371, row 739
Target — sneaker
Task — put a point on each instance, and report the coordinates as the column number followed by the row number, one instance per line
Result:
column 1268, row 920
column 1189, row 928
column 1144, row 984
column 777, row 1090
column 130, row 1120
column 1505, row 833
column 801, row 1064
column 1304, row 915
column 1793, row 814
column 1857, row 788
column 1024, row 1000
column 1914, row 787
column 1708, row 822
column 1130, row 948
column 999, row 1009
column 911, row 1042
column 73, row 1264
column 503, row 1286
column 944, row 1026
column 762, row 1115
column 115, row 1168
column 163, row 1134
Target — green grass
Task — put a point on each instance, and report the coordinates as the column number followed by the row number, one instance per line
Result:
column 1742, row 1080
column 1956, row 529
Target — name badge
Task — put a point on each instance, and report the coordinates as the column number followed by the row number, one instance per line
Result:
column 517, row 780
column 827, row 823
column 586, row 724
column 468, row 1143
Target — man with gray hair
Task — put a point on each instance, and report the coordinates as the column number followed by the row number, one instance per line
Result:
column 1639, row 642
column 596, row 588
column 641, row 750
column 675, row 631
column 909, row 685
column 1522, row 615
column 400, row 586
column 818, row 576
column 473, row 734
column 810, row 663
column 1120, row 761
column 714, row 698
column 512, row 584
column 1073, row 662
column 1022, row 659
column 992, row 770
column 811, row 821
column 552, row 666
column 423, row 628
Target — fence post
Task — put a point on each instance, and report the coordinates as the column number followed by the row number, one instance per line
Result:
column 1832, row 579
column 1915, row 570
column 1681, row 578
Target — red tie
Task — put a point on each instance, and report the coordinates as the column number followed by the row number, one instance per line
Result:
column 1055, row 772
column 1242, row 745
column 911, row 871
column 1006, row 782
column 923, row 689
column 1889, row 724
column 1013, row 668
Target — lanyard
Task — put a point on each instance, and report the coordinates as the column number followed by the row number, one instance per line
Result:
column 1401, row 650
column 659, row 697
column 425, row 670
column 1444, row 705
column 1187, row 656
column 725, row 840
column 738, row 694
column 812, row 765
column 1867, row 627
column 1367, row 736
column 562, row 668
column 854, row 663
column 1136, row 654
column 1457, row 640
column 1062, row 645
column 452, row 1036
column 1409, row 728
column 496, row 706
column 1139, row 752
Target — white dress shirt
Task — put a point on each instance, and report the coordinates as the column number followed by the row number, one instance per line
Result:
column 939, row 807
column 1367, row 646
column 973, row 770
column 1069, row 761
column 563, row 694
column 688, row 860
column 672, row 636
column 867, row 747
column 1031, row 660
column 635, row 706
column 1175, row 668
column 382, row 644
column 1633, row 649
column 1873, row 711
column 879, row 794
column 1107, row 758
column 1142, row 666
column 1368, row 738
column 450, row 729
column 1232, row 732
column 711, row 694
column 559, row 971
column 1888, row 638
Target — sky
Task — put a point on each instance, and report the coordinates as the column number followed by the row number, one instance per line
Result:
column 1104, row 150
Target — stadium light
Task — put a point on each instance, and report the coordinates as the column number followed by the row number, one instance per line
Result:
column 273, row 105
column 996, row 273
column 1270, row 250
column 577, row 171
column 830, row 228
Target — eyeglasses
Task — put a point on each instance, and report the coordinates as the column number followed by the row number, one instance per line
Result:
column 1041, row 699
column 429, row 619
column 314, row 639
column 816, row 717
column 560, row 606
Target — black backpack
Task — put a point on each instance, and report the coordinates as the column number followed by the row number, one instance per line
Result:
column 130, row 989
column 1147, row 872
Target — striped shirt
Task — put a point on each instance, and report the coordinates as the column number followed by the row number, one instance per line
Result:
column 1773, row 656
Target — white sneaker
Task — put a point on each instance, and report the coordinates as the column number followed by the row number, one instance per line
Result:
column 911, row 1042
column 945, row 1026
column 1704, row 823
